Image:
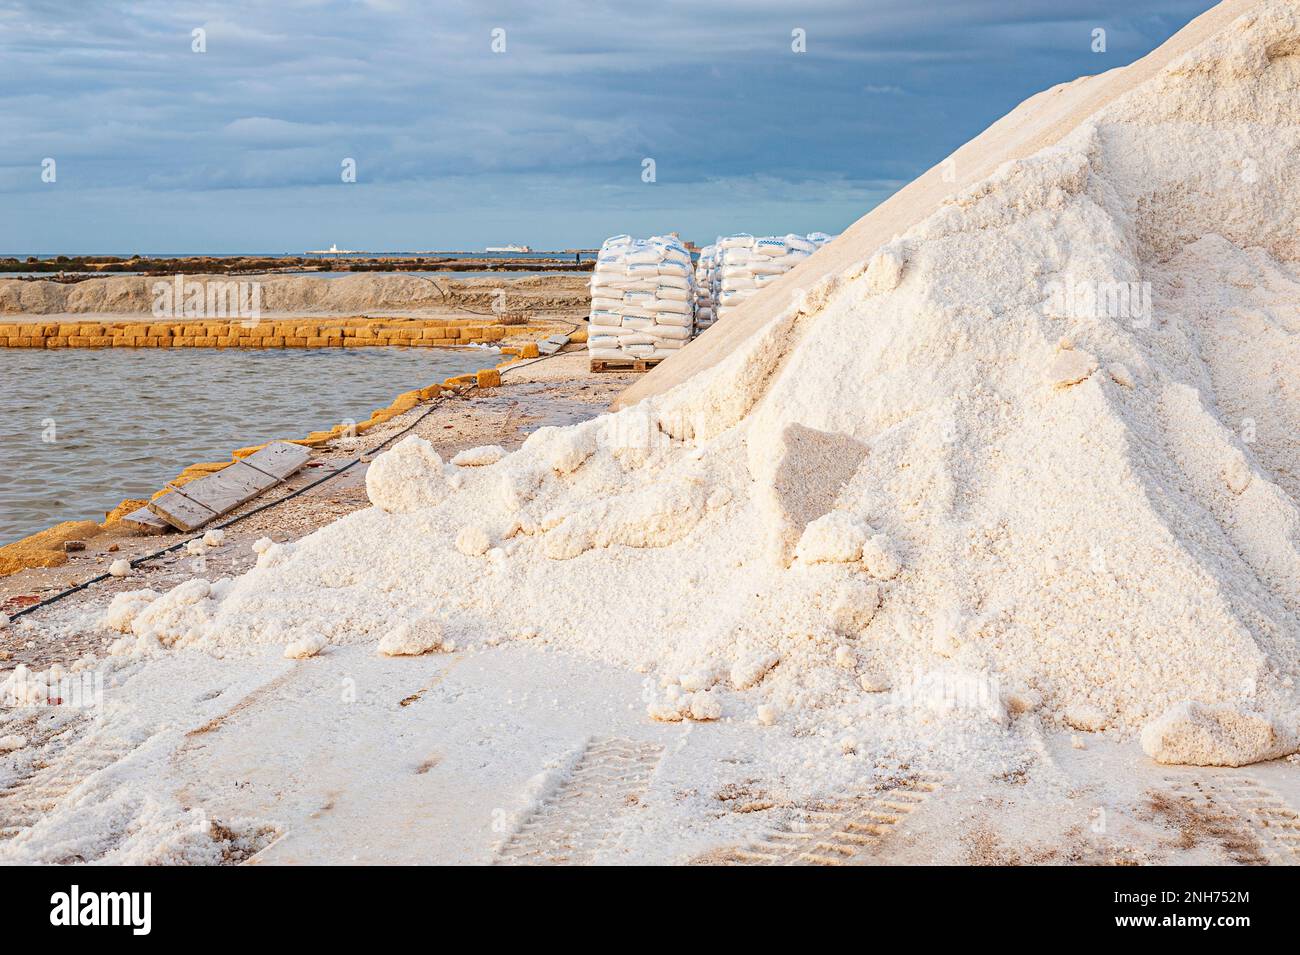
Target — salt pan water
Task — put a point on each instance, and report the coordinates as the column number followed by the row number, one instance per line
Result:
column 83, row 429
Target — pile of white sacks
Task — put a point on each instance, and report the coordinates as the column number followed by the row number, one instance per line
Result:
column 747, row 264
column 642, row 299
column 706, row 286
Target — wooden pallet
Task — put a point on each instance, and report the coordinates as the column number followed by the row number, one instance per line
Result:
column 205, row 499
column 630, row 364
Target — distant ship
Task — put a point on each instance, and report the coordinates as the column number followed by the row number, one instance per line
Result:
column 332, row 250
column 508, row 248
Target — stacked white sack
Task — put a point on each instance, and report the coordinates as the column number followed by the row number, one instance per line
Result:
column 748, row 264
column 642, row 299
column 706, row 271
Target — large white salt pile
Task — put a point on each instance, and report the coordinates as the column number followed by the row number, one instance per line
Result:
column 1039, row 449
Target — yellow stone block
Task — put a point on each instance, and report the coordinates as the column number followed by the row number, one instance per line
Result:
column 528, row 350
column 488, row 378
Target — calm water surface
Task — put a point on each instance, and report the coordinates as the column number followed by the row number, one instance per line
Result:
column 82, row 429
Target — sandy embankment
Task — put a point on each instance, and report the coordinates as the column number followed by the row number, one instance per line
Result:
column 299, row 295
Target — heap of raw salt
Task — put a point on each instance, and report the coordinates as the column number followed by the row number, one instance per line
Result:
column 1042, row 444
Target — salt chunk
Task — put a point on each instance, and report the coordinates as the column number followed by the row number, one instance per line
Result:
column 845, row 657
column 704, row 706
column 1120, row 374
column 412, row 638
column 767, row 714
column 12, row 742
column 885, row 270
column 308, row 646
column 698, row 680
column 749, row 672
column 473, row 541
column 1023, row 701
column 665, row 712
column 854, row 609
column 1204, row 734
column 1086, row 717
column 479, row 457
column 407, row 477
column 835, row 537
column 1070, row 367
column 196, row 548
column 215, row 537
column 873, row 683
column 262, row 545
column 119, row 568
column 880, row 559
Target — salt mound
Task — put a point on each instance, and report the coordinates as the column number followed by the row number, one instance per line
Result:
column 1046, row 541
column 406, row 478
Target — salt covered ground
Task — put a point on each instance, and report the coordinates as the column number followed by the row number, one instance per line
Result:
column 518, row 754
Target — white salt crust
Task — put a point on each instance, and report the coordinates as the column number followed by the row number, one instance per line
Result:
column 936, row 467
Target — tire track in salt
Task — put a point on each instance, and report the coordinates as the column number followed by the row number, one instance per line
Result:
column 40, row 793
column 581, row 817
column 1260, row 811
column 838, row 831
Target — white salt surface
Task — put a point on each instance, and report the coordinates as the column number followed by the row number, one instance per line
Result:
column 1003, row 512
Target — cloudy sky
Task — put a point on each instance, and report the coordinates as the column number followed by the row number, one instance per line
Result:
column 158, row 148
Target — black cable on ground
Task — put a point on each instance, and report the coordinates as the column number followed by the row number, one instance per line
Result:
column 136, row 562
